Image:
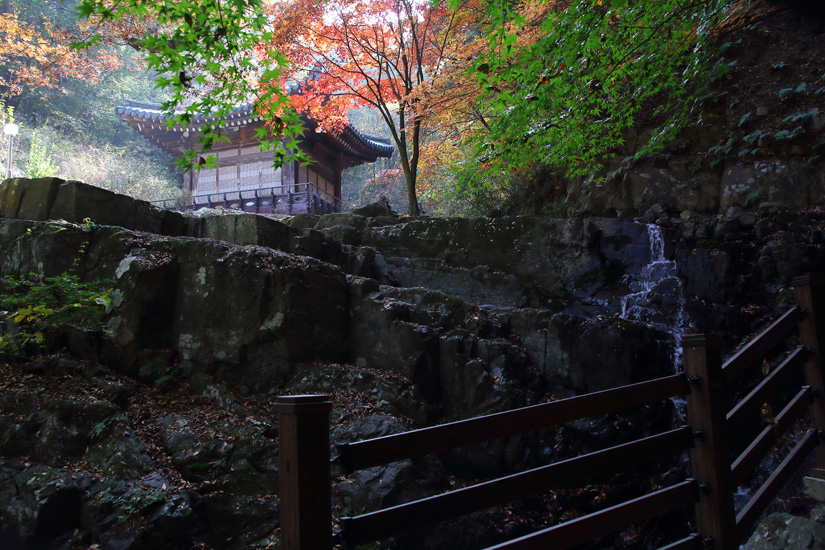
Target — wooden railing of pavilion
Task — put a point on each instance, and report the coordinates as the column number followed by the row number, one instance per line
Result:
column 301, row 198
column 716, row 469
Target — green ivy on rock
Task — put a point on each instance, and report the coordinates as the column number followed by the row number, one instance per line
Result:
column 568, row 98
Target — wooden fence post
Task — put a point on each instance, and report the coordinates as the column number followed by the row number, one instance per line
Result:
column 306, row 489
column 810, row 296
column 710, row 460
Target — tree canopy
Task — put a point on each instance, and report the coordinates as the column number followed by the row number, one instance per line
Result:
column 64, row 100
column 564, row 81
column 204, row 53
column 469, row 90
column 364, row 53
column 38, row 55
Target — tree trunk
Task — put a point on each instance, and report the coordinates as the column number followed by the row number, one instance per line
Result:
column 410, row 177
column 411, row 195
column 412, row 180
column 410, row 168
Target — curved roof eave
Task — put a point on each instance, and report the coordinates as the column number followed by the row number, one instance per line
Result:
column 152, row 112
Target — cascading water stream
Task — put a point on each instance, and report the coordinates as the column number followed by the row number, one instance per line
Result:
column 657, row 294
column 650, row 293
column 657, row 299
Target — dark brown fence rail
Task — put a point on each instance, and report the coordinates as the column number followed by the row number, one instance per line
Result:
column 717, row 469
column 364, row 454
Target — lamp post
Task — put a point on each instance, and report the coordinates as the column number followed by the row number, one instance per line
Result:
column 10, row 130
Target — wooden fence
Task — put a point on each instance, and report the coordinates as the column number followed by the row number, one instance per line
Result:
column 716, row 468
column 301, row 198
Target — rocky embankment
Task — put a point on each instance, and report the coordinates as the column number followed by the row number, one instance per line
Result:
column 157, row 433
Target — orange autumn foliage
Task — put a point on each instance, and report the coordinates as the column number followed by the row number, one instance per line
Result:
column 348, row 54
column 45, row 57
column 449, row 103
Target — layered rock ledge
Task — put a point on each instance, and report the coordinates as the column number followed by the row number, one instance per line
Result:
column 405, row 321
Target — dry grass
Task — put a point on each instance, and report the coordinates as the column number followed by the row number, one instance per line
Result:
column 135, row 169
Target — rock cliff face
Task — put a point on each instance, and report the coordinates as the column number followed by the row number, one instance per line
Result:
column 405, row 321
column 403, row 295
column 758, row 137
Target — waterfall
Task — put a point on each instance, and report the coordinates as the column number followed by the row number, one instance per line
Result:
column 657, row 299
column 650, row 293
column 656, row 295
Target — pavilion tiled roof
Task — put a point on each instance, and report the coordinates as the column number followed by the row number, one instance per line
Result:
column 134, row 112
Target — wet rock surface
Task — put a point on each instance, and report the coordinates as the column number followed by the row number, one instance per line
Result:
column 158, row 431
column 782, row 531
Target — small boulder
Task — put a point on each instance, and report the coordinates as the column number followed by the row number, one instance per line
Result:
column 381, row 207
column 388, row 485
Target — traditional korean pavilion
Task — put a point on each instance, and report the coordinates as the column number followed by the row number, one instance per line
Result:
column 244, row 177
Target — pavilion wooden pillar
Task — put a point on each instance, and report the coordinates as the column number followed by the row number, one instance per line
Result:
column 337, row 182
column 306, row 487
